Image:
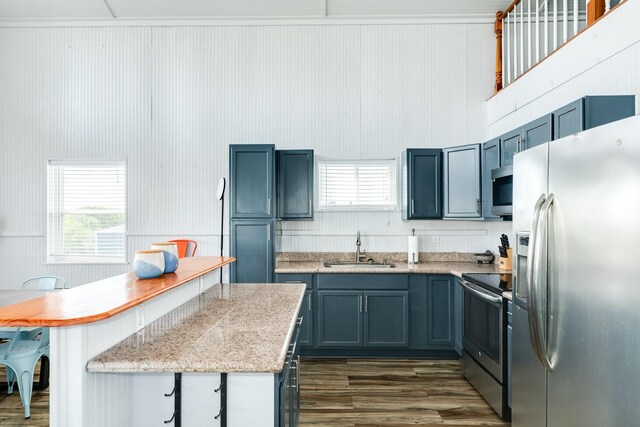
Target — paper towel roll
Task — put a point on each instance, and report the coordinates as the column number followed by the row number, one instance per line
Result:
column 413, row 252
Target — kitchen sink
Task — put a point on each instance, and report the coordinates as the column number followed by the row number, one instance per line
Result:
column 346, row 264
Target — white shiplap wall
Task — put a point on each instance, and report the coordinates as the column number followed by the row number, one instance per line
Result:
column 171, row 99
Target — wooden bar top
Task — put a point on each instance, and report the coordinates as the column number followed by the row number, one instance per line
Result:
column 105, row 298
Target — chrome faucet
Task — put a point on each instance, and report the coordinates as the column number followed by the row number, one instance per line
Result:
column 360, row 254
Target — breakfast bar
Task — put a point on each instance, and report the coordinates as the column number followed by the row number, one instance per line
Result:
column 87, row 320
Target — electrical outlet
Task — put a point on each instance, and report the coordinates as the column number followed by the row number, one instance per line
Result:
column 139, row 317
column 294, row 240
column 435, row 240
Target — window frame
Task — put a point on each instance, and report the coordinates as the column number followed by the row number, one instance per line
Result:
column 98, row 260
column 357, row 208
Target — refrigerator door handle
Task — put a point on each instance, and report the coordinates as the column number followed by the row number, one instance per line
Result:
column 541, row 280
column 532, row 300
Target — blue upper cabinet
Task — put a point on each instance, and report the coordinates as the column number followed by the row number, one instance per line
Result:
column 591, row 111
column 490, row 161
column 252, row 181
column 422, row 184
column 462, row 182
column 509, row 145
column 537, row 132
column 295, row 184
column 252, row 245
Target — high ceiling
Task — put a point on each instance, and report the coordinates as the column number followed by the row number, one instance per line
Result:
column 25, row 10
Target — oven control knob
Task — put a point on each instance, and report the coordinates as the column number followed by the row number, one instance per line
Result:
column 479, row 354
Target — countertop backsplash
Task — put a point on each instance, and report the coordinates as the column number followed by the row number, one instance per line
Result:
column 393, row 257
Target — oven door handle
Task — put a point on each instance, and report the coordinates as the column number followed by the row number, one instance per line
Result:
column 477, row 291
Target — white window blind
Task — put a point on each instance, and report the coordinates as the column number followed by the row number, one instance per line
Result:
column 86, row 212
column 357, row 184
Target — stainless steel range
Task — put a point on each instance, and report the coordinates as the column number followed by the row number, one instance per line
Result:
column 484, row 337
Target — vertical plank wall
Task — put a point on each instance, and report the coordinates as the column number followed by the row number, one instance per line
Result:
column 170, row 100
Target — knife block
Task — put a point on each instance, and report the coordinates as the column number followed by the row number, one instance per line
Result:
column 505, row 263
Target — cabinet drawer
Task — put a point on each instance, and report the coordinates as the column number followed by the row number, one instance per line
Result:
column 295, row 278
column 380, row 281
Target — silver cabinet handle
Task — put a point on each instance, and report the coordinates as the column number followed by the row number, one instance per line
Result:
column 299, row 321
column 310, row 209
column 269, row 205
column 309, row 302
column 268, row 232
column 413, row 210
column 366, row 303
column 360, row 304
column 293, row 281
column 478, row 203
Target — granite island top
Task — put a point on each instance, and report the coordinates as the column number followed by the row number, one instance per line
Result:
column 228, row 328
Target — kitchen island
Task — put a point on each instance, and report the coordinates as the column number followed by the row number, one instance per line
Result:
column 87, row 320
column 222, row 354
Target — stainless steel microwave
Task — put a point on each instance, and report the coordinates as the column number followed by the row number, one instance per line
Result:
column 502, row 191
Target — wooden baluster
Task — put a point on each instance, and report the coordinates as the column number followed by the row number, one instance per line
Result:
column 595, row 9
column 497, row 28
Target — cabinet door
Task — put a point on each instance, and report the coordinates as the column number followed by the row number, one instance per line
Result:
column 152, row 407
column 386, row 319
column 509, row 145
column 252, row 245
column 424, row 184
column 295, row 184
column 305, row 339
column 200, row 402
column 440, row 312
column 457, row 315
column 462, row 176
column 537, row 132
column 340, row 319
column 252, row 181
column 568, row 119
column 490, row 161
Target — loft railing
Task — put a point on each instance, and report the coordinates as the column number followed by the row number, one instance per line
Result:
column 530, row 30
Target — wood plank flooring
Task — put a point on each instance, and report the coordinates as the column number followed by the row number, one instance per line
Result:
column 349, row 393
column 389, row 392
column 12, row 412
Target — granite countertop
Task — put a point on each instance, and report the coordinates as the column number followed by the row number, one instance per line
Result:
column 445, row 267
column 228, row 328
column 454, row 263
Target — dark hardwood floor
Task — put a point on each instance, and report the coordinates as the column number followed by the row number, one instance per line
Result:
column 390, row 392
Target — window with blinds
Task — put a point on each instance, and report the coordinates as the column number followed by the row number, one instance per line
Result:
column 86, row 212
column 357, row 184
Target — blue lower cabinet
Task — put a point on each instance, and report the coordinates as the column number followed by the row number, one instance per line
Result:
column 306, row 328
column 440, row 326
column 340, row 319
column 432, row 316
column 457, row 315
column 386, row 319
column 306, row 338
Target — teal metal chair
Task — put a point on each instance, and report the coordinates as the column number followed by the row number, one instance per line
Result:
column 45, row 283
column 22, row 349
column 20, row 356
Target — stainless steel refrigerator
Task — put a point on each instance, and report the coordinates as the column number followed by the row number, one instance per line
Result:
column 576, row 337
